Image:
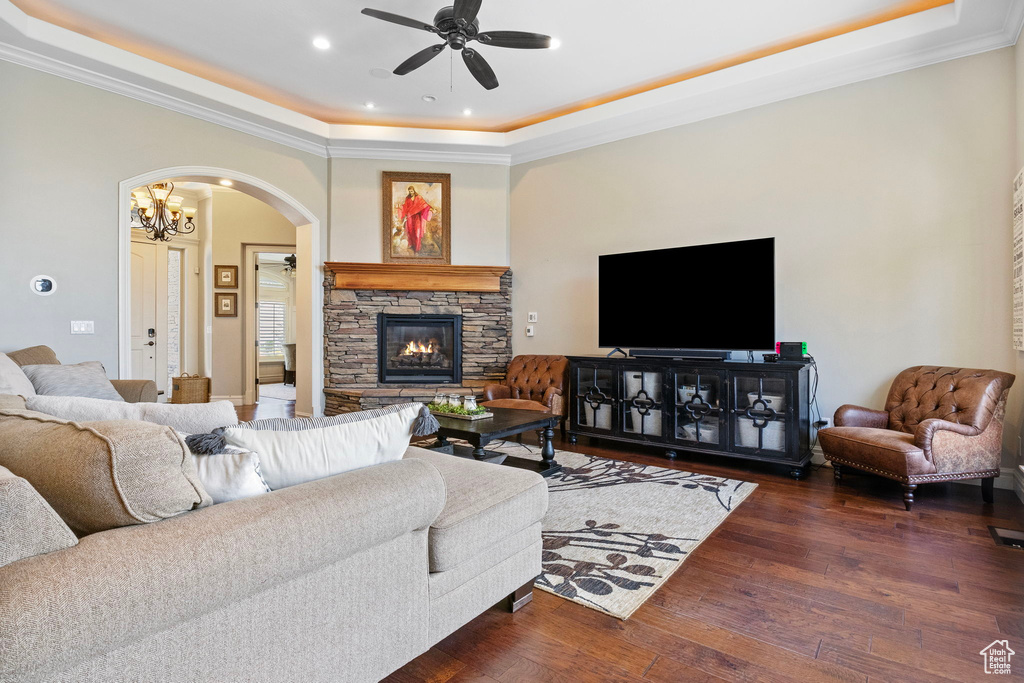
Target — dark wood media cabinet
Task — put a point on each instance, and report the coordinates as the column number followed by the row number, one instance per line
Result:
column 755, row 411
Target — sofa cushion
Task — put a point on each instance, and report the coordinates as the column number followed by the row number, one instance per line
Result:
column 83, row 379
column 187, row 418
column 30, row 526
column 293, row 451
column 11, row 402
column 485, row 503
column 883, row 451
column 13, row 379
column 101, row 475
column 34, row 355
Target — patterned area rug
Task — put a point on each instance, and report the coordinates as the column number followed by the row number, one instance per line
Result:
column 615, row 530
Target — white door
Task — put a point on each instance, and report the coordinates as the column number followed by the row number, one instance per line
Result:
column 144, row 307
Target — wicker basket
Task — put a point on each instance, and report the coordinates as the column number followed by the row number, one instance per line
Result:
column 190, row 389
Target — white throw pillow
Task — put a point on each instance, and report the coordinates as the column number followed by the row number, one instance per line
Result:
column 230, row 476
column 293, row 451
column 82, row 379
column 188, row 418
column 13, row 380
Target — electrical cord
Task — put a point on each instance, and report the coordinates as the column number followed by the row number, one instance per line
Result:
column 812, row 404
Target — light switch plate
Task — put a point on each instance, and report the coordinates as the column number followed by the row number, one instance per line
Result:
column 529, row 330
column 83, row 327
column 531, row 317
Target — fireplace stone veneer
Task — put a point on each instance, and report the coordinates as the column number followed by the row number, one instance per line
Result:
column 352, row 375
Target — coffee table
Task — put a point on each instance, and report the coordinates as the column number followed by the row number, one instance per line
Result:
column 506, row 422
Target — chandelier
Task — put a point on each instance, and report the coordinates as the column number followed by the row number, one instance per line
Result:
column 160, row 212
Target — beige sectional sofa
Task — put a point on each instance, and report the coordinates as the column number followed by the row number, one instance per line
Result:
column 342, row 579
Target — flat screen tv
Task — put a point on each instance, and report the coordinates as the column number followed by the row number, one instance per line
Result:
column 706, row 297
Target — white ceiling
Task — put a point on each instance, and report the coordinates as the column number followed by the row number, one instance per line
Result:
column 264, row 47
column 250, row 65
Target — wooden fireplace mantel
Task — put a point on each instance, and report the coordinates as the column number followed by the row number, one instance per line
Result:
column 416, row 277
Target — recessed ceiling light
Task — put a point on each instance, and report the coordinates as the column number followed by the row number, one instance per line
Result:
column 555, row 44
column 321, row 43
column 467, row 112
column 429, row 98
column 226, row 183
column 370, row 105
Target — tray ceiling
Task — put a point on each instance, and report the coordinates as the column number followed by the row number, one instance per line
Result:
column 265, row 49
column 252, row 66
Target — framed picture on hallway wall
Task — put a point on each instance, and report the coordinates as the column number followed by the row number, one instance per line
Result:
column 225, row 277
column 225, row 305
column 416, row 211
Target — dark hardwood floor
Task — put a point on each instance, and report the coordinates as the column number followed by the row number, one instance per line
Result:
column 267, row 407
column 804, row 581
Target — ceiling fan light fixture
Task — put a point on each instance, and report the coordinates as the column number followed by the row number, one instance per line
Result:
column 555, row 44
column 321, row 43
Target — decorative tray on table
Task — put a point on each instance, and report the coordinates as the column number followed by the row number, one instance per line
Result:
column 459, row 413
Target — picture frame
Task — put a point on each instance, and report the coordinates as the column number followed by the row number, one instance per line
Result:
column 416, row 217
column 225, row 304
column 225, row 277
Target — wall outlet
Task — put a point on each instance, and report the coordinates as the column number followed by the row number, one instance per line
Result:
column 529, row 330
column 531, row 317
column 823, row 423
column 83, row 327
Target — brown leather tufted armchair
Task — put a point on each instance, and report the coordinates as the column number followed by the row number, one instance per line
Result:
column 939, row 424
column 532, row 383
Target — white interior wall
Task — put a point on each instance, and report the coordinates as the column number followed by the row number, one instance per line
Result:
column 888, row 200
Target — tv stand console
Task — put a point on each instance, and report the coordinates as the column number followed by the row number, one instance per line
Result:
column 754, row 411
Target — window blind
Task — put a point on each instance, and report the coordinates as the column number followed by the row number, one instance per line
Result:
column 271, row 324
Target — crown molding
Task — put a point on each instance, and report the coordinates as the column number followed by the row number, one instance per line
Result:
column 79, row 74
column 406, row 154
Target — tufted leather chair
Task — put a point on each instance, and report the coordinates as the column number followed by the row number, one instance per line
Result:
column 939, row 424
column 532, row 383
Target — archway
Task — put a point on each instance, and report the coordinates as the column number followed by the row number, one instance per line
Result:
column 309, row 342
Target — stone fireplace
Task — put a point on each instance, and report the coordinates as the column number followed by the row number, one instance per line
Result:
column 385, row 345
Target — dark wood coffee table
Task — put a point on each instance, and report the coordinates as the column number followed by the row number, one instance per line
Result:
column 506, row 422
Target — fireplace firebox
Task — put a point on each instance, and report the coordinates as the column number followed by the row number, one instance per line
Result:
column 418, row 349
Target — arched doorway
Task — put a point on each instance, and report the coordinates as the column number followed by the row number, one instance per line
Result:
column 309, row 320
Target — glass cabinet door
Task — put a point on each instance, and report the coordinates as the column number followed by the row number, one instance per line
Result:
column 762, row 410
column 641, row 403
column 698, row 396
column 594, row 399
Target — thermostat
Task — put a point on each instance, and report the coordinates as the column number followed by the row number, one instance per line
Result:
column 43, row 285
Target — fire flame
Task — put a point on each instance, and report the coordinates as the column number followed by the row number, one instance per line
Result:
column 418, row 347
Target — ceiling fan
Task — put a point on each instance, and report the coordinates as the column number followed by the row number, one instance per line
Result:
column 458, row 25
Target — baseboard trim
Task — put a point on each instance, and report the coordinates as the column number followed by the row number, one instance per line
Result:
column 235, row 400
column 1018, row 482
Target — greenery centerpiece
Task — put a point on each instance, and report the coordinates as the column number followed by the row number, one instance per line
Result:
column 446, row 409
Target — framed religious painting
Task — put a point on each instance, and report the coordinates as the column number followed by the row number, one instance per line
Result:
column 417, row 210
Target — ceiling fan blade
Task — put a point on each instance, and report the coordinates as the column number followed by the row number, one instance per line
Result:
column 467, row 10
column 515, row 39
column 419, row 59
column 480, row 69
column 397, row 19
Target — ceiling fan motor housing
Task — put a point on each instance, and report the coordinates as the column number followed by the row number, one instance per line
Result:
column 455, row 31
